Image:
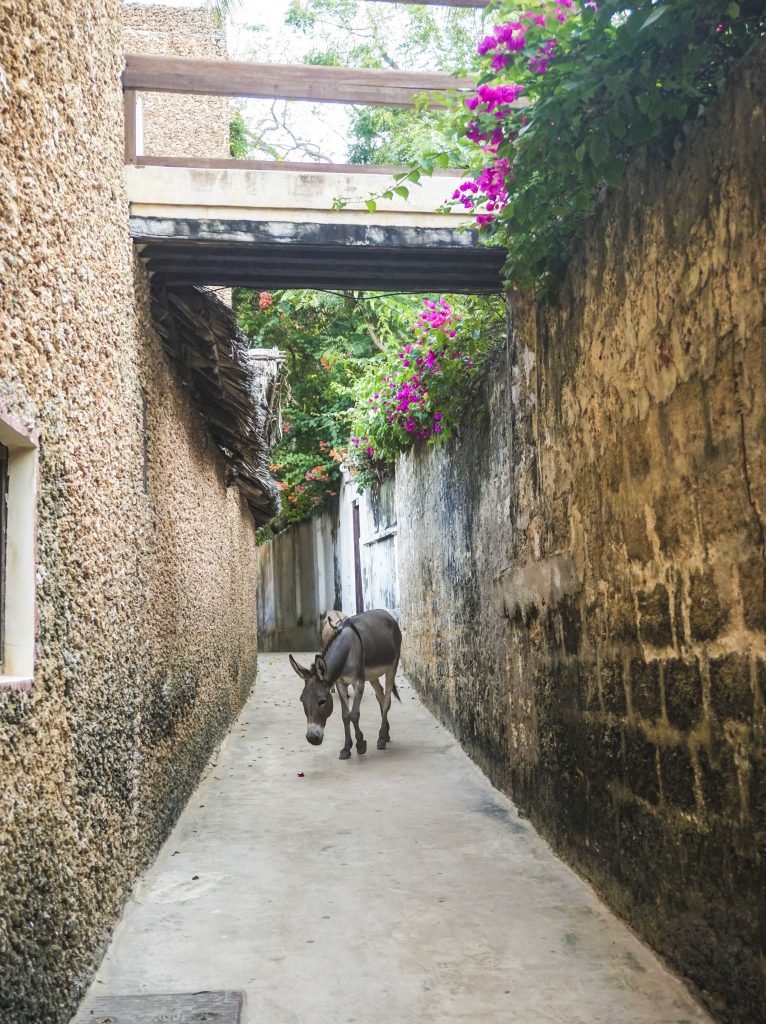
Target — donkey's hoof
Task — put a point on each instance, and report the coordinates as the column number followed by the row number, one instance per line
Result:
column 361, row 747
column 381, row 743
column 344, row 755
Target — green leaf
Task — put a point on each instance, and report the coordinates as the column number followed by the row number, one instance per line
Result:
column 580, row 153
column 617, row 126
column 598, row 148
column 371, row 205
column 388, row 194
column 656, row 13
column 402, row 191
column 733, row 10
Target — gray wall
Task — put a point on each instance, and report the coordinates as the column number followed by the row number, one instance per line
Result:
column 308, row 569
column 297, row 585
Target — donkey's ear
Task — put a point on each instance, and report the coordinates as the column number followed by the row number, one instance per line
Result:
column 304, row 673
column 320, row 667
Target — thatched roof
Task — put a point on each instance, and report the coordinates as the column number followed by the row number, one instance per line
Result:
column 235, row 388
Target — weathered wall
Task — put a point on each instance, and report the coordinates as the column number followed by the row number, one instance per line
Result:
column 297, row 584
column 583, row 572
column 174, row 125
column 309, row 569
column 146, row 636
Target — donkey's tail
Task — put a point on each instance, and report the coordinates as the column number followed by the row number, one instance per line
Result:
column 396, row 694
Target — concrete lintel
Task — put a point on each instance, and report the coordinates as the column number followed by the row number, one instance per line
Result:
column 256, row 232
column 283, row 195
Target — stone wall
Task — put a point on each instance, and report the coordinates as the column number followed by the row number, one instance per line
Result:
column 146, row 562
column 583, row 571
column 175, row 125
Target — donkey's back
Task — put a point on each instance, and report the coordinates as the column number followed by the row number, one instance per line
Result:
column 368, row 647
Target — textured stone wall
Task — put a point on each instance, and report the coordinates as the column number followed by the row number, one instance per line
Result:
column 146, row 635
column 174, row 125
column 583, row 572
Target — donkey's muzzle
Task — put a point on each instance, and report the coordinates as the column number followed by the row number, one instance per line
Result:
column 315, row 734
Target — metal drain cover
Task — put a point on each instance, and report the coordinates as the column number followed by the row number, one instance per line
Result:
column 184, row 1008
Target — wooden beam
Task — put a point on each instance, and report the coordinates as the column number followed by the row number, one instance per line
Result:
column 129, row 106
column 442, row 3
column 371, row 87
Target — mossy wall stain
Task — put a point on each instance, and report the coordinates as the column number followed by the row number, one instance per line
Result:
column 146, row 643
column 583, row 574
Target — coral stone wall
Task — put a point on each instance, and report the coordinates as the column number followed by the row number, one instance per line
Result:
column 145, row 598
column 175, row 125
column 583, row 572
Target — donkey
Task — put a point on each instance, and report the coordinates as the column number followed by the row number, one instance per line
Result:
column 365, row 647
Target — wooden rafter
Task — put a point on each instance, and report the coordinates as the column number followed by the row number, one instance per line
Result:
column 442, row 3
column 371, row 87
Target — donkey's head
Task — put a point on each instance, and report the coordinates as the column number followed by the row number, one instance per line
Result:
column 316, row 697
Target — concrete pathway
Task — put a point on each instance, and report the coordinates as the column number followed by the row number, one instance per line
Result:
column 397, row 887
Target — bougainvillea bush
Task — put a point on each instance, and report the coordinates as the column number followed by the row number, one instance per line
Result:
column 418, row 387
column 567, row 92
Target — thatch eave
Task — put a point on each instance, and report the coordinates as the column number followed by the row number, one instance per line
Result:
column 237, row 394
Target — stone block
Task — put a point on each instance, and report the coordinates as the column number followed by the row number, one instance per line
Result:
column 718, row 779
column 731, row 694
column 683, row 693
column 707, row 616
column 636, row 539
column 641, row 765
column 724, row 507
column 752, row 586
column 622, row 618
column 638, row 455
column 678, row 610
column 654, row 617
column 673, row 518
column 588, row 692
column 571, row 625
column 757, row 792
column 612, row 688
column 645, row 684
column 677, row 778
column 602, row 752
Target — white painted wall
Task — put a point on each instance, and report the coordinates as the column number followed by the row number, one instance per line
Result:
column 300, row 569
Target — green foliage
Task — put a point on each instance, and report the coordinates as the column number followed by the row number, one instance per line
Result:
column 630, row 74
column 326, row 339
column 353, row 34
column 417, row 389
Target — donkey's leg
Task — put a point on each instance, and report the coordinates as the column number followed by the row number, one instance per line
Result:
column 375, row 683
column 342, row 689
column 385, row 730
column 361, row 742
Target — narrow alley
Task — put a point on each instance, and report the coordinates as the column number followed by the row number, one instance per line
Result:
column 397, row 886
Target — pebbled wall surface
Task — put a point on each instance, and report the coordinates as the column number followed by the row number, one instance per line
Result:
column 145, row 595
column 583, row 571
column 176, row 125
